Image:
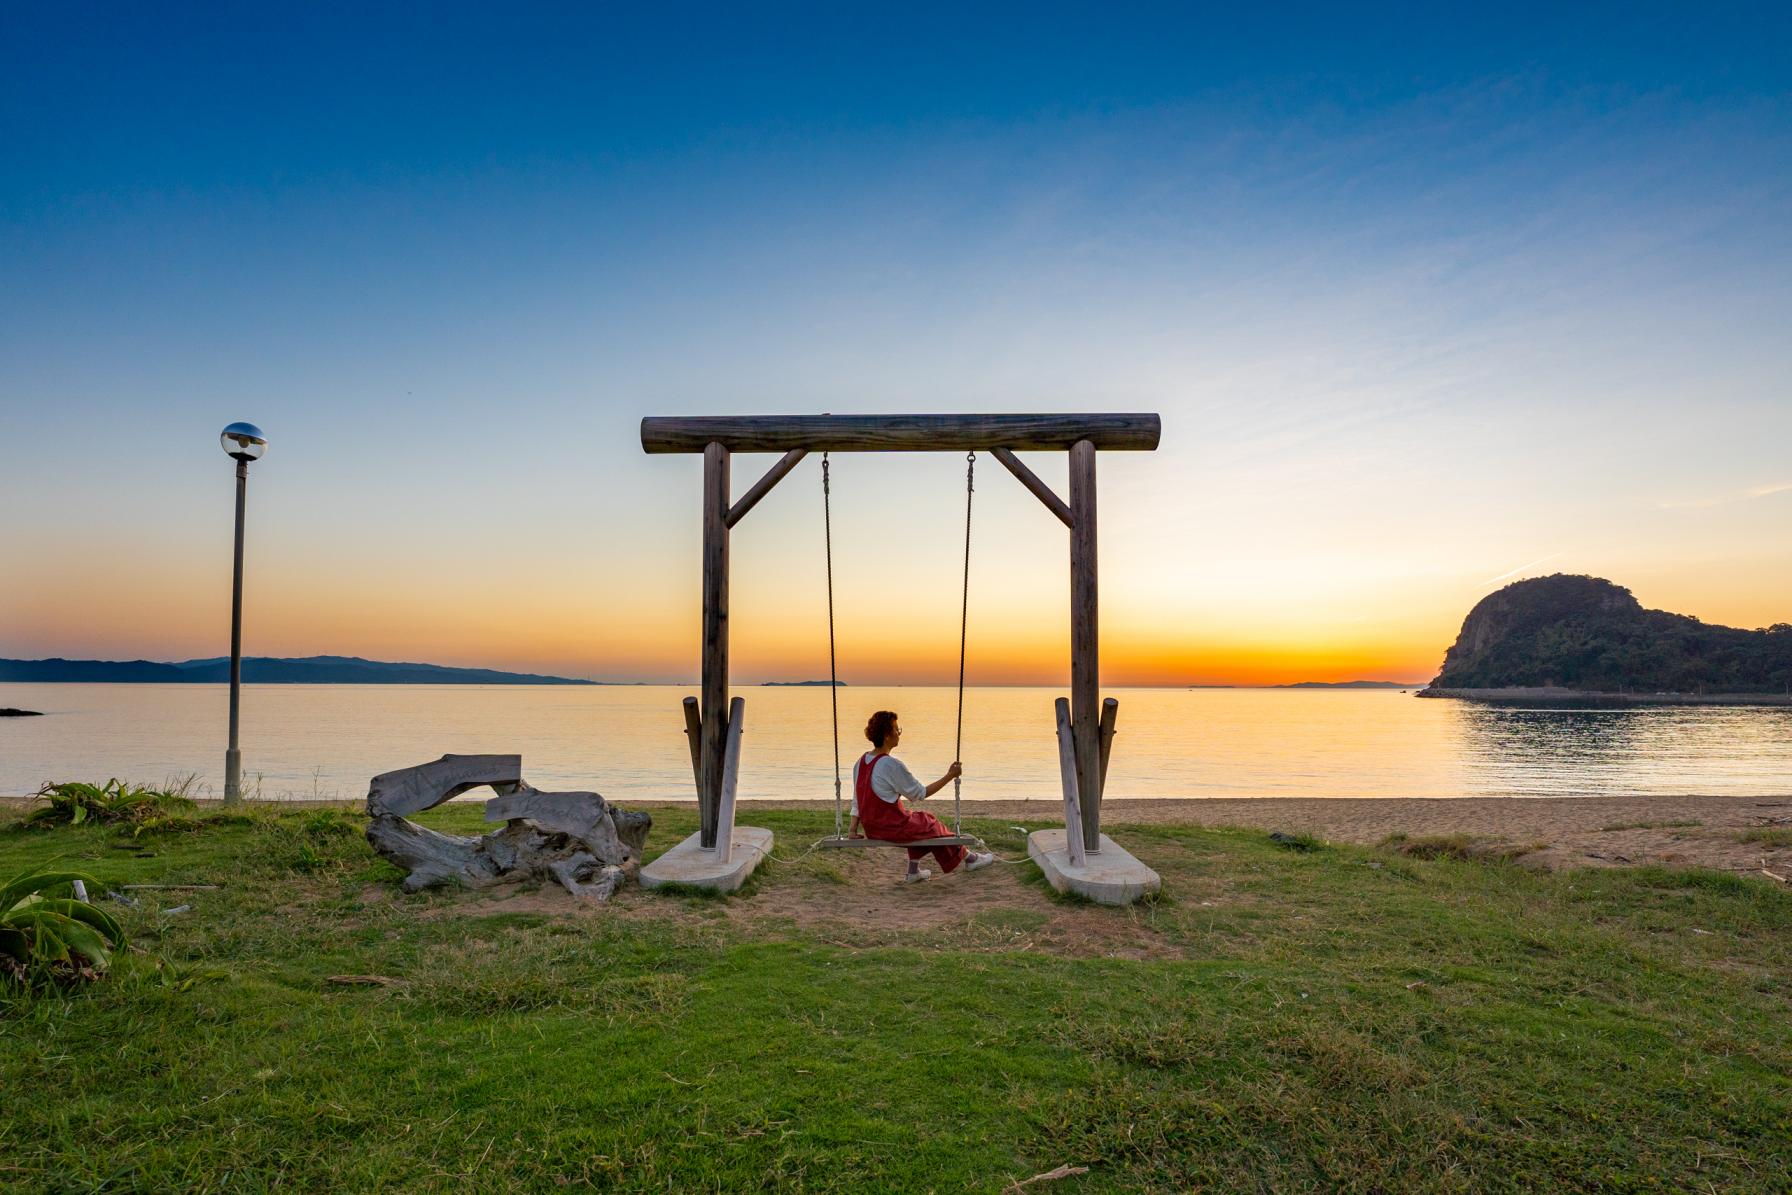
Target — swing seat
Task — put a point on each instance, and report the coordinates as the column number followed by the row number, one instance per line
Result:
column 837, row 842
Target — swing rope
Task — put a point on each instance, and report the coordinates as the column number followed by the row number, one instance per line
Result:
column 827, row 524
column 964, row 622
column 964, row 610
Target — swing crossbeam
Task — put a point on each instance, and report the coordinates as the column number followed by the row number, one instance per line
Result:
column 1107, row 431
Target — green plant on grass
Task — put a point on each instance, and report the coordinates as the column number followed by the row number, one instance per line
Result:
column 46, row 935
column 331, row 823
column 1777, row 836
column 1466, row 848
column 111, row 803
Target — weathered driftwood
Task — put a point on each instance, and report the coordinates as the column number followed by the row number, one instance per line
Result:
column 412, row 790
column 577, row 839
column 611, row 831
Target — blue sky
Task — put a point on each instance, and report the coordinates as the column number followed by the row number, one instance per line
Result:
column 1422, row 296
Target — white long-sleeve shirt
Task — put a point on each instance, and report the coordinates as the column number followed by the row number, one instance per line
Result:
column 890, row 779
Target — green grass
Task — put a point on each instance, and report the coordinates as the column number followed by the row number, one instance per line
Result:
column 1659, row 825
column 1460, row 847
column 1290, row 1019
column 1774, row 836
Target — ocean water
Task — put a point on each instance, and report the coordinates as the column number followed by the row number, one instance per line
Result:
column 305, row 741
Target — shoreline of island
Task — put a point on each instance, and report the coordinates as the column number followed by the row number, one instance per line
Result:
column 1591, row 698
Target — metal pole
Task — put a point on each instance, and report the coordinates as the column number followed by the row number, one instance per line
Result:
column 233, row 758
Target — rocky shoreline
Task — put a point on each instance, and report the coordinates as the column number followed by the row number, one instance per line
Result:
column 1553, row 695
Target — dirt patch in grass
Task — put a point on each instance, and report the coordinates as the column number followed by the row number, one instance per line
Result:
column 857, row 899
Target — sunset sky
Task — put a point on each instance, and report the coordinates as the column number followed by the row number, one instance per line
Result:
column 1426, row 306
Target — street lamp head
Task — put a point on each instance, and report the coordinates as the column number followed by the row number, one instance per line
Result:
column 243, row 441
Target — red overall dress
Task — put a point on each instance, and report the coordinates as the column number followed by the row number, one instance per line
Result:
column 885, row 820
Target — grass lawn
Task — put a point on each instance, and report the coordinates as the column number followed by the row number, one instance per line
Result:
column 1283, row 1019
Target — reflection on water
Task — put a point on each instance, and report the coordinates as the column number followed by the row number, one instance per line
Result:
column 301, row 741
column 1660, row 750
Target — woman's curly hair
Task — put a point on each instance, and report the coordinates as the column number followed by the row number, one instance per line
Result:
column 880, row 726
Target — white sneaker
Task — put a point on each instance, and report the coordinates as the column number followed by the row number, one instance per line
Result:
column 979, row 859
column 915, row 877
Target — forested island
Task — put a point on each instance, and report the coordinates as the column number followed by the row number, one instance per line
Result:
column 1565, row 636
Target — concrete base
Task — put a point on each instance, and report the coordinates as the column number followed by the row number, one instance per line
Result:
column 689, row 864
column 1112, row 877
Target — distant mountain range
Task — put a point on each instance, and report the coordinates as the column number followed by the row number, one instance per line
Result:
column 1348, row 684
column 267, row 670
column 1325, row 684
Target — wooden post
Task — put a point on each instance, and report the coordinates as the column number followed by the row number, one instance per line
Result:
column 1073, row 813
column 1031, row 480
column 737, row 713
column 763, row 486
column 693, row 733
column 1110, row 710
column 715, row 637
column 1085, row 642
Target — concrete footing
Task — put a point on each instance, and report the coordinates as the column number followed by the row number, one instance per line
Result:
column 1111, row 876
column 692, row 866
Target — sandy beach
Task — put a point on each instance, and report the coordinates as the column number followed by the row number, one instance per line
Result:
column 1685, row 831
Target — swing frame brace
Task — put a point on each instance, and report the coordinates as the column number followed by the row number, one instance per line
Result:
column 717, row 438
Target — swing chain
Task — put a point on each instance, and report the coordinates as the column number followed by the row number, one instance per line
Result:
column 827, row 524
column 964, row 611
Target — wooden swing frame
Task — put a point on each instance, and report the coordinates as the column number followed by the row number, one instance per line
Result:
column 1085, row 722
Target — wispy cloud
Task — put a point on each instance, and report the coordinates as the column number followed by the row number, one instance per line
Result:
column 1521, row 568
column 1756, row 491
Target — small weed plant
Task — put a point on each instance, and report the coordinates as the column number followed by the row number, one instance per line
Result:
column 111, row 803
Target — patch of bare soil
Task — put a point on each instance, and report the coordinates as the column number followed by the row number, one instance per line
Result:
column 858, row 899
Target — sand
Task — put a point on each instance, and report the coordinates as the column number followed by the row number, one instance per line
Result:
column 1564, row 831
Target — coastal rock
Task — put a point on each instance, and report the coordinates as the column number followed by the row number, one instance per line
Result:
column 1587, row 635
column 576, row 839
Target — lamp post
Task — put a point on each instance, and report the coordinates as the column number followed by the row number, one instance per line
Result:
column 244, row 443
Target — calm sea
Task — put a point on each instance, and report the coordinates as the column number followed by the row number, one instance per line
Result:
column 304, row 741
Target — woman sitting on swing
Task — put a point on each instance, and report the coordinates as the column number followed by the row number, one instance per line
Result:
column 880, row 781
